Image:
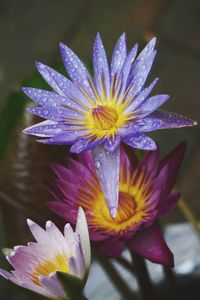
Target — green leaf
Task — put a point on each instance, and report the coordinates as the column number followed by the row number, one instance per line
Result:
column 72, row 285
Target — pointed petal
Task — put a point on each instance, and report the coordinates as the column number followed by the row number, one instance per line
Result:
column 84, row 145
column 169, row 168
column 63, row 138
column 140, row 141
column 142, row 96
column 61, row 84
column 111, row 145
column 107, row 169
column 111, row 248
column 46, row 129
column 167, row 204
column 39, row 233
column 151, row 104
column 139, row 74
column 53, row 114
column 149, row 243
column 119, row 56
column 76, row 69
column 100, row 65
column 170, row 120
column 52, row 285
column 82, row 230
column 127, row 67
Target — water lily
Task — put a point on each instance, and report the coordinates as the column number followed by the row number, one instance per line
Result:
column 144, row 195
column 99, row 112
column 55, row 262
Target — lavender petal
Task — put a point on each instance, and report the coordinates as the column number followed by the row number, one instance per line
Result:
column 140, row 141
column 100, row 65
column 107, row 169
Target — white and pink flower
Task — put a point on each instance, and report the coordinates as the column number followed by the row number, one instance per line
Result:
column 37, row 265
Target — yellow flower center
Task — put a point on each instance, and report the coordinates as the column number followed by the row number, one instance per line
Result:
column 133, row 205
column 58, row 263
column 104, row 117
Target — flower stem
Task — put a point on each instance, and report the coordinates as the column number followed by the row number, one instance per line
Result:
column 171, row 280
column 143, row 278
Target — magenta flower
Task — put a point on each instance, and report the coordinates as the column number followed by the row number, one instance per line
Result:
column 100, row 112
column 40, row 265
column 144, row 195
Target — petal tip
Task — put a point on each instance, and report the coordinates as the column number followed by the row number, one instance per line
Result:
column 113, row 212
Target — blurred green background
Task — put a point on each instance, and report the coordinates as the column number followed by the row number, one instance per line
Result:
column 30, row 31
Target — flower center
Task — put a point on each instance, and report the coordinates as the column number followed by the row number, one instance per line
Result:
column 58, row 263
column 104, row 117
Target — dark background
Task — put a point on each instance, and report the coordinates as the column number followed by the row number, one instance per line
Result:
column 31, row 30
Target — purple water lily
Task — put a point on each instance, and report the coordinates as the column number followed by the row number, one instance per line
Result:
column 144, row 196
column 102, row 111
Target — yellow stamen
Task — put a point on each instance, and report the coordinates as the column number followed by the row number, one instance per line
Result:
column 104, row 117
column 58, row 263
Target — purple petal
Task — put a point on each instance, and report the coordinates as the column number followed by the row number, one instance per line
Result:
column 107, row 169
column 76, row 69
column 39, row 233
column 54, row 114
column 139, row 72
column 140, row 141
column 46, row 129
column 168, row 204
column 84, row 145
column 52, row 284
column 149, row 243
column 171, row 120
column 151, row 104
column 141, row 67
column 111, row 248
column 127, row 67
column 111, row 145
column 142, row 96
column 61, row 84
column 63, row 138
column 169, row 168
column 100, row 65
column 119, row 56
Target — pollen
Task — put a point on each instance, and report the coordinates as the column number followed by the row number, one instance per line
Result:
column 58, row 263
column 104, row 117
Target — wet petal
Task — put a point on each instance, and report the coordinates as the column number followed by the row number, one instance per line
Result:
column 46, row 129
column 63, row 138
column 140, row 141
column 149, row 243
column 139, row 72
column 111, row 145
column 151, row 104
column 84, row 145
column 61, row 84
column 76, row 69
column 127, row 67
column 100, row 65
column 170, row 120
column 107, row 169
column 119, row 56
column 142, row 96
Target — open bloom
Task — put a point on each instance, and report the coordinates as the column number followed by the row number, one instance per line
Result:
column 101, row 111
column 39, row 265
column 144, row 195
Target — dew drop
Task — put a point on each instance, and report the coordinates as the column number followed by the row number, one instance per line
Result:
column 97, row 164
